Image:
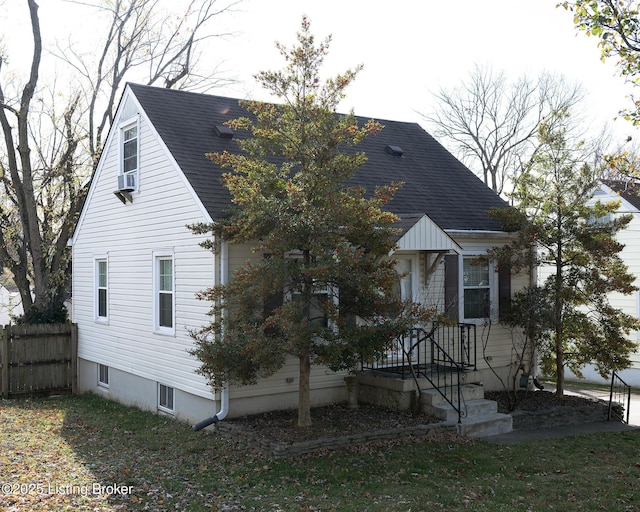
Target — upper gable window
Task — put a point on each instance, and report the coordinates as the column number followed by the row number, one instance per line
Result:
column 130, row 149
column 129, row 156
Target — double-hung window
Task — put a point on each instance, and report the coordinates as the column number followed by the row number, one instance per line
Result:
column 130, row 156
column 130, row 149
column 476, row 288
column 317, row 305
column 101, row 290
column 164, row 300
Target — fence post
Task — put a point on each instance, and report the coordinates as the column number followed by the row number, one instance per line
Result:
column 74, row 359
column 4, row 356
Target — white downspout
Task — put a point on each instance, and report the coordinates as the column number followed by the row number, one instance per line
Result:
column 224, row 392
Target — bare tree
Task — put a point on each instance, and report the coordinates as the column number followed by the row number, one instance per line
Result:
column 493, row 122
column 52, row 137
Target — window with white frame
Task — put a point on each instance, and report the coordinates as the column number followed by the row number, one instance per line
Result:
column 130, row 156
column 164, row 294
column 165, row 398
column 103, row 375
column 130, row 148
column 317, row 307
column 321, row 294
column 101, row 289
column 476, row 286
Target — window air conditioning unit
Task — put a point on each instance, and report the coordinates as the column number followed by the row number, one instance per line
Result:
column 127, row 182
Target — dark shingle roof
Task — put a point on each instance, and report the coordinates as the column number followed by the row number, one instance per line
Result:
column 628, row 190
column 436, row 183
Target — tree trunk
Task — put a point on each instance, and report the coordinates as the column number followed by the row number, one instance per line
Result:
column 559, row 305
column 559, row 369
column 304, row 398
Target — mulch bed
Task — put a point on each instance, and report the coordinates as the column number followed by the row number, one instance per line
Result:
column 329, row 421
column 524, row 400
column 337, row 420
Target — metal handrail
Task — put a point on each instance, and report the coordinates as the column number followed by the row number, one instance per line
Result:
column 459, row 342
column 440, row 382
column 451, row 350
column 619, row 388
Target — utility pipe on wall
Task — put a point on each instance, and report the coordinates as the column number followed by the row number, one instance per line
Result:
column 224, row 392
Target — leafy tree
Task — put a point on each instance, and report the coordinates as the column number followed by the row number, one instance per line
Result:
column 616, row 24
column 324, row 290
column 52, row 135
column 574, row 240
column 492, row 123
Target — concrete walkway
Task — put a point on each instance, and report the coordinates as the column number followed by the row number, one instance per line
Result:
column 521, row 436
column 572, row 388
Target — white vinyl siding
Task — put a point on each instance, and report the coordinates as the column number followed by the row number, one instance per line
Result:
column 630, row 238
column 131, row 234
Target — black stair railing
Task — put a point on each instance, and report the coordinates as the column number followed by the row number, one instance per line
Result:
column 445, row 377
column 619, row 399
column 458, row 341
column 440, row 356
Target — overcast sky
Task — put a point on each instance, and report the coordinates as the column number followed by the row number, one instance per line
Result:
column 409, row 48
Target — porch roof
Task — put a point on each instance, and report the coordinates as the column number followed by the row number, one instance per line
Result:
column 421, row 233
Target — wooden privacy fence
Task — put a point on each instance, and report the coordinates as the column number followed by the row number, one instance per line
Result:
column 38, row 359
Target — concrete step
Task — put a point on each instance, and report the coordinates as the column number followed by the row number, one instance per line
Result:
column 486, row 425
column 470, row 408
column 469, row 392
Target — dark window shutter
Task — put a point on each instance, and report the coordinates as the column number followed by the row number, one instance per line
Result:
column 451, row 283
column 504, row 291
column 273, row 300
column 271, row 303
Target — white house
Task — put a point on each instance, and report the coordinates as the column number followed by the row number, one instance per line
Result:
column 10, row 300
column 137, row 267
column 628, row 193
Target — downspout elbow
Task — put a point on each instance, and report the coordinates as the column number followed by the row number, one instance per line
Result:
column 205, row 423
column 219, row 416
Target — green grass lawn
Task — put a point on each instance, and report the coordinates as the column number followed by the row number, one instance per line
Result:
column 85, row 453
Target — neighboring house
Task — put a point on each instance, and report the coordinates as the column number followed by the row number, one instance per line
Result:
column 10, row 301
column 628, row 193
column 137, row 267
